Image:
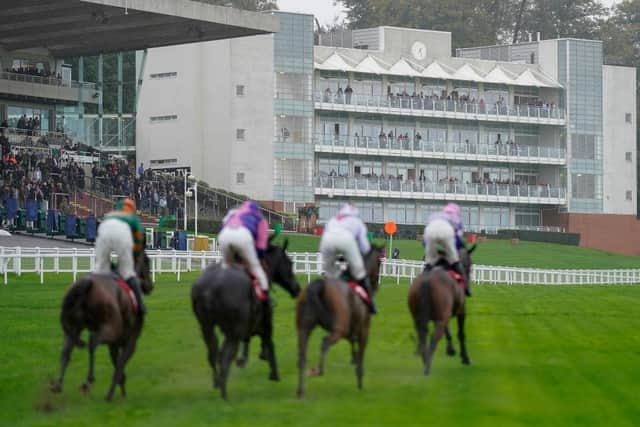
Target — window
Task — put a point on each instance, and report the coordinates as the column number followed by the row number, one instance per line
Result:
column 629, row 195
column 159, row 119
column 627, row 156
column 627, row 117
column 169, row 75
column 240, row 178
column 239, row 90
column 240, row 134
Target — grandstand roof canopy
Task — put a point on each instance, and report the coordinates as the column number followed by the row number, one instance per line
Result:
column 83, row 27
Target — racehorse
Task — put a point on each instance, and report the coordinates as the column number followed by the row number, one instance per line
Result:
column 334, row 306
column 224, row 296
column 98, row 303
column 436, row 296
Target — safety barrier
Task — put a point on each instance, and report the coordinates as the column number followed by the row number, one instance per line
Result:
column 41, row 261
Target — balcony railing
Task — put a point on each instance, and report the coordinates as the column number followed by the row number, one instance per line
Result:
column 501, row 111
column 448, row 190
column 51, row 81
column 421, row 148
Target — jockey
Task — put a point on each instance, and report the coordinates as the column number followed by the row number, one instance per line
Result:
column 445, row 231
column 346, row 234
column 245, row 232
column 121, row 232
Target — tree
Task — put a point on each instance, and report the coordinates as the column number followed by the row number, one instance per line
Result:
column 254, row 5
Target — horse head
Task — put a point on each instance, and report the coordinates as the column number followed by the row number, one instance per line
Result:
column 373, row 260
column 143, row 271
column 280, row 267
column 465, row 260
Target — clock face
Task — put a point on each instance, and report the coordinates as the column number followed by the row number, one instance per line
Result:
column 419, row 50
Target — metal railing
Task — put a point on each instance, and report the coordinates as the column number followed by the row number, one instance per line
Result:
column 377, row 184
column 51, row 81
column 18, row 261
column 416, row 103
column 417, row 146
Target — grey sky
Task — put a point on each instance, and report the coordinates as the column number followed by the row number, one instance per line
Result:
column 325, row 10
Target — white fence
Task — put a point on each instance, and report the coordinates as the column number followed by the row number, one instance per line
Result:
column 41, row 261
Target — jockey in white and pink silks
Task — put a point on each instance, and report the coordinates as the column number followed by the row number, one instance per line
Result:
column 245, row 233
column 445, row 232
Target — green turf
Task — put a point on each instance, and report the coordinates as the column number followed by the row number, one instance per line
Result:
column 503, row 253
column 542, row 356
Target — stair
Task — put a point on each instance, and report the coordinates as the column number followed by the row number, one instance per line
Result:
column 88, row 204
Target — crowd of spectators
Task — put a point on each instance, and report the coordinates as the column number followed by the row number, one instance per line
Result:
column 34, row 71
column 429, row 101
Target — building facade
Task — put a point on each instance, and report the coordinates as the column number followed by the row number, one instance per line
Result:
column 388, row 119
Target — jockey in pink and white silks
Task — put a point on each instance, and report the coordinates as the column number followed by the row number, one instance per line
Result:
column 445, row 233
column 245, row 233
column 346, row 235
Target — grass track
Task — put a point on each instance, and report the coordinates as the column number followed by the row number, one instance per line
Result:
column 552, row 356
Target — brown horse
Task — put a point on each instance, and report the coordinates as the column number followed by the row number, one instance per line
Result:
column 337, row 309
column 97, row 303
column 436, row 296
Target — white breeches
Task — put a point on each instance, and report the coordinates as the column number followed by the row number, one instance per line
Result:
column 239, row 241
column 439, row 235
column 336, row 242
column 115, row 236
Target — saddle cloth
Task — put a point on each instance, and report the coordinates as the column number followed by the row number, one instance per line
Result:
column 127, row 290
column 457, row 277
column 359, row 291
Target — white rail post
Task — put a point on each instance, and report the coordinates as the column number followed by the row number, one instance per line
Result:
column 74, row 263
column 17, row 264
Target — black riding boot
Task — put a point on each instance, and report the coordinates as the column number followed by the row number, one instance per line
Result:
column 427, row 267
column 366, row 284
column 134, row 284
column 457, row 267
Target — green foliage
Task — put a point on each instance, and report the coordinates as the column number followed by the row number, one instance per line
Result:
column 542, row 356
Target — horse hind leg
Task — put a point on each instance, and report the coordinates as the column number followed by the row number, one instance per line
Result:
column 93, row 343
column 229, row 350
column 114, row 352
column 241, row 361
column 211, row 341
column 433, row 343
column 303, row 341
column 362, row 345
column 65, row 357
column 327, row 342
column 118, row 375
column 451, row 351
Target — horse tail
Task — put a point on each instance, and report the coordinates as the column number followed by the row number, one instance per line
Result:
column 314, row 296
column 71, row 310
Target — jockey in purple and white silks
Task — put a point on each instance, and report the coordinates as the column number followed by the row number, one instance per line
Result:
column 443, row 238
column 346, row 234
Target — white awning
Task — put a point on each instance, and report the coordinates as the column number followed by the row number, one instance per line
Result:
column 435, row 70
column 370, row 65
column 402, row 68
column 334, row 62
column 528, row 78
column 499, row 76
column 467, row 73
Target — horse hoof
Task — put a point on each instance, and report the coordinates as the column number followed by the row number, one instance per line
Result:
column 314, row 372
column 108, row 397
column 300, row 394
column 241, row 363
column 274, row 377
column 55, row 387
column 85, row 388
column 427, row 372
column 466, row 361
column 263, row 355
column 451, row 351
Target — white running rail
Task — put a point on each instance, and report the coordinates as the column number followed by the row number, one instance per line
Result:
column 18, row 261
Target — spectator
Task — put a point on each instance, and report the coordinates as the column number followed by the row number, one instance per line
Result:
column 141, row 170
column 396, row 253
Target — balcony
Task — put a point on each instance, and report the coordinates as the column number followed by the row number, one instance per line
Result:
column 426, row 107
column 27, row 85
column 420, row 149
column 404, row 189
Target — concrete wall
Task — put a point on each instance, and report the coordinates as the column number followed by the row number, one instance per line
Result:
column 203, row 96
column 548, row 57
column 62, row 92
column 619, row 138
column 396, row 40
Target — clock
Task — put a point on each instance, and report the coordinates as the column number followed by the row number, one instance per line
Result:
column 419, row 51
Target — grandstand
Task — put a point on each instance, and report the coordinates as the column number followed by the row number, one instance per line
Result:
column 60, row 168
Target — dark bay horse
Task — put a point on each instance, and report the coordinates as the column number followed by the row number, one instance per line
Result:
column 97, row 303
column 332, row 305
column 436, row 296
column 225, row 297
